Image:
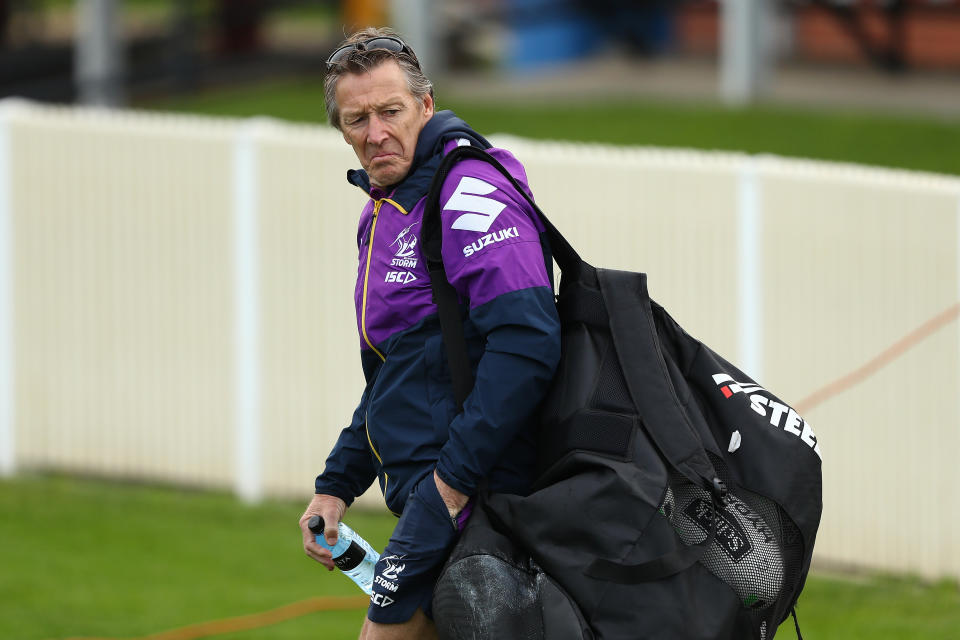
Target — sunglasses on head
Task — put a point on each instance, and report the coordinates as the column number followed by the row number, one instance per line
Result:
column 389, row 43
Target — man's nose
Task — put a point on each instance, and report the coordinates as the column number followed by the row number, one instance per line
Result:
column 377, row 131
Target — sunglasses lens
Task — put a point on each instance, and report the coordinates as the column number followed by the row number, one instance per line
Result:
column 390, row 44
column 340, row 54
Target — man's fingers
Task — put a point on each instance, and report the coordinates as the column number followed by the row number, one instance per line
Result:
column 321, row 555
column 331, row 532
column 330, row 526
column 315, row 551
column 331, row 510
column 307, row 538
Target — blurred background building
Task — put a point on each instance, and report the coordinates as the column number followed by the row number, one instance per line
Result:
column 114, row 51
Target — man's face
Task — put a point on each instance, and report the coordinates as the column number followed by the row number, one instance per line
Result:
column 382, row 120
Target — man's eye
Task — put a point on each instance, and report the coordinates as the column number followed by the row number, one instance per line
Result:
column 391, row 112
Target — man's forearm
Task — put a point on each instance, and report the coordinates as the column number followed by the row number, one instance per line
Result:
column 514, row 373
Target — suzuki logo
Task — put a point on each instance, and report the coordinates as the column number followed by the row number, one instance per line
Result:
column 480, row 212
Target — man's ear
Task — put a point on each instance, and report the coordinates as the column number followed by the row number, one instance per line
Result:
column 428, row 106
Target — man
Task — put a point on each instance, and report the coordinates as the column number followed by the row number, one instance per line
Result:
column 406, row 431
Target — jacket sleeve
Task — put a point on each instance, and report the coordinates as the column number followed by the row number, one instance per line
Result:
column 349, row 470
column 493, row 257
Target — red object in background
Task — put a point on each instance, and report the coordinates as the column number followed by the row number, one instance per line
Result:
column 239, row 25
column 930, row 37
column 930, row 34
column 698, row 28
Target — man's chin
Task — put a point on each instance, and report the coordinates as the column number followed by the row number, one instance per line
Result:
column 385, row 178
column 388, row 169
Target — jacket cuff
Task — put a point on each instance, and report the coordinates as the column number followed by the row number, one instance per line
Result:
column 330, row 488
column 461, row 485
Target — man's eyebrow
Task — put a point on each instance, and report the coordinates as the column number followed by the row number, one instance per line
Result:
column 393, row 101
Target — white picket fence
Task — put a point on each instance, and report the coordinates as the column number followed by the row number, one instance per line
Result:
column 176, row 303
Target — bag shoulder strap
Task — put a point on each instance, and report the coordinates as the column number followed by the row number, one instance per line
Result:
column 648, row 383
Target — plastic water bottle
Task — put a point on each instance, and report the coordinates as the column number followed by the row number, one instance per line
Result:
column 352, row 554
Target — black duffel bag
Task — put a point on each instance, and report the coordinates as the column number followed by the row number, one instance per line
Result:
column 676, row 497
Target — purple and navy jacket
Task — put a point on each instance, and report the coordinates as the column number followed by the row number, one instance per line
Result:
column 406, row 423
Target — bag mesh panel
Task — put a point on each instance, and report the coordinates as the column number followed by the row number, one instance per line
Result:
column 788, row 537
column 610, row 393
column 758, row 551
column 583, row 304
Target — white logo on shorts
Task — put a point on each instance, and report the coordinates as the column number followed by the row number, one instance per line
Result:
column 390, row 573
column 381, row 600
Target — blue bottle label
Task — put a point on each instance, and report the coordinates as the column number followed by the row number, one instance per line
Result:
column 350, row 558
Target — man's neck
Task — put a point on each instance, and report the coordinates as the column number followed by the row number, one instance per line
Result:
column 377, row 192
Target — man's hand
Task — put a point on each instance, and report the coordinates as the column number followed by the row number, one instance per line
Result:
column 454, row 500
column 331, row 509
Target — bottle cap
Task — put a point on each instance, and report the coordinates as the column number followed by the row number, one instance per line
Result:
column 315, row 524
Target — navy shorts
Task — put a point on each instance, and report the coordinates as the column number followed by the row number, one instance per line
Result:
column 410, row 565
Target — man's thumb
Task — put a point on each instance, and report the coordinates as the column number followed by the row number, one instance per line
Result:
column 317, row 526
column 331, row 534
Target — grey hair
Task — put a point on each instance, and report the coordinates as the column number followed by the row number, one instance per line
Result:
column 359, row 62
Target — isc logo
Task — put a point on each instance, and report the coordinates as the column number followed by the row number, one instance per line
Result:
column 403, row 277
column 381, row 599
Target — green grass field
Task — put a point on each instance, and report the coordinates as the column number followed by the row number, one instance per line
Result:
column 86, row 558
column 909, row 142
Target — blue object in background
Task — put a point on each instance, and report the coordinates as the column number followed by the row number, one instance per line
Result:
column 546, row 32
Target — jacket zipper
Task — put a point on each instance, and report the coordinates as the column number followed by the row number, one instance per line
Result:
column 366, row 280
column 363, row 326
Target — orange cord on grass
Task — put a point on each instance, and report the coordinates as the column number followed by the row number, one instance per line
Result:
column 255, row 620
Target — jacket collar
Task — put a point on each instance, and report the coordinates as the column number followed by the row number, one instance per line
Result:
column 440, row 129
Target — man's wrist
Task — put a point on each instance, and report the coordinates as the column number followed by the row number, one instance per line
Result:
column 454, row 500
